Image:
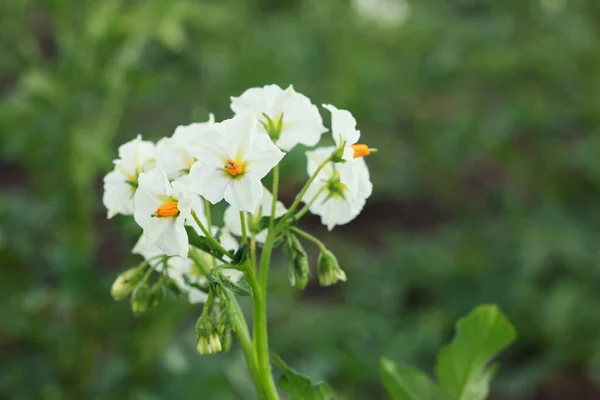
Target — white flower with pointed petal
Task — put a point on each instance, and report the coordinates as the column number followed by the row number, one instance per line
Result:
column 135, row 157
column 234, row 224
column 161, row 209
column 232, row 159
column 336, row 202
column 343, row 130
column 173, row 154
column 286, row 115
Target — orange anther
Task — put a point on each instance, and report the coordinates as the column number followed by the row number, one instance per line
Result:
column 168, row 209
column 234, row 168
column 361, row 150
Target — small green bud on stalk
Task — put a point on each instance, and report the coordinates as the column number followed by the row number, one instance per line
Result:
column 329, row 269
column 157, row 294
column 208, row 337
column 298, row 268
column 125, row 283
column 140, row 298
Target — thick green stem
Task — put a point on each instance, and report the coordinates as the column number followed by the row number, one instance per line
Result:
column 241, row 329
column 239, row 325
column 261, row 335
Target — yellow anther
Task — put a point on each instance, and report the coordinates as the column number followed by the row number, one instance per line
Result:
column 168, row 209
column 234, row 167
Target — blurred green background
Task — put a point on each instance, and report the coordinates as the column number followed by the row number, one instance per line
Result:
column 486, row 186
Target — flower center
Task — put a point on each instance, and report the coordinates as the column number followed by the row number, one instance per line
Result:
column 361, row 150
column 165, row 210
column 235, row 168
column 273, row 126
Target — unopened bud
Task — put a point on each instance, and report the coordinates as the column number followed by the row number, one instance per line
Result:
column 329, row 269
column 157, row 294
column 140, row 298
column 208, row 337
column 124, row 284
column 298, row 268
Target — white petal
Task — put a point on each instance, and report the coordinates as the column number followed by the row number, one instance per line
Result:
column 239, row 133
column 257, row 101
column 146, row 203
column 343, row 126
column 118, row 194
column 210, row 147
column 262, row 157
column 181, row 236
column 169, row 239
column 208, row 181
column 244, row 193
column 173, row 157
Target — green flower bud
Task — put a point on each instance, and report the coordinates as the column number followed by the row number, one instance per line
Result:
column 298, row 268
column 124, row 284
column 140, row 298
column 208, row 337
column 329, row 269
column 157, row 294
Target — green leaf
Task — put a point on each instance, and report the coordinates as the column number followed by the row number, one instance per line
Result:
column 241, row 287
column 201, row 242
column 461, row 366
column 241, row 254
column 299, row 386
column 406, row 383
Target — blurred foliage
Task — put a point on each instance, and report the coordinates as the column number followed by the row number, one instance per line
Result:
column 486, row 185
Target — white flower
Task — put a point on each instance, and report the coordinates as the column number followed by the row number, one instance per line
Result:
column 161, row 209
column 234, row 224
column 298, row 119
column 337, row 202
column 343, row 130
column 181, row 270
column 173, row 154
column 135, row 157
column 232, row 159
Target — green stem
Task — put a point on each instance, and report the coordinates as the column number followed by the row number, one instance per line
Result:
column 243, row 222
column 308, row 236
column 207, row 212
column 274, row 192
column 241, row 329
column 261, row 336
column 210, row 238
column 307, row 206
column 301, row 194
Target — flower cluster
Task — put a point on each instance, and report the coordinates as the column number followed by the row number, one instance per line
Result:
column 169, row 188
